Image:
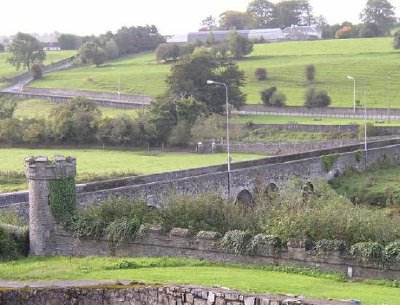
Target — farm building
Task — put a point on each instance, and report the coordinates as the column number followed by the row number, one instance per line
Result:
column 51, row 46
column 302, row 33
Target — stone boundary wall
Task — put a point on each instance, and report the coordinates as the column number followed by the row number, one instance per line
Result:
column 206, row 245
column 150, row 295
column 312, row 128
column 320, row 112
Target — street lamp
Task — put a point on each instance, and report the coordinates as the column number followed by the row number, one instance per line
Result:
column 389, row 87
column 354, row 92
column 210, row 82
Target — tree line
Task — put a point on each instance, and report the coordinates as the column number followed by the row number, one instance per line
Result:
column 378, row 18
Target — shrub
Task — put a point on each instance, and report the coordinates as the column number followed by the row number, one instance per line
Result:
column 277, row 99
column 325, row 246
column 315, row 98
column 266, row 95
column 261, row 74
column 14, row 242
column 392, row 252
column 236, row 241
column 328, row 161
column 36, row 70
column 371, row 252
column 262, row 240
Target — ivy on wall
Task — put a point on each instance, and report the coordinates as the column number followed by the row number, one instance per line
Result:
column 328, row 161
column 63, row 199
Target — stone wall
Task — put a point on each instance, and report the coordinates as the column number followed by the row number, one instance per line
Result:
column 150, row 295
column 206, row 245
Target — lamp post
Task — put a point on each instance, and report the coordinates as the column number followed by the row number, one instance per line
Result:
column 365, row 125
column 389, row 87
column 210, row 82
column 354, row 92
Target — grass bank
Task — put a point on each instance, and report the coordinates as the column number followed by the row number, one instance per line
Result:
column 260, row 279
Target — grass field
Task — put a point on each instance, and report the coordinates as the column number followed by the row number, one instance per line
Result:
column 37, row 108
column 7, row 70
column 368, row 60
column 103, row 163
column 267, row 279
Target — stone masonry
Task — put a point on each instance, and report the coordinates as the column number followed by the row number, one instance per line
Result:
column 151, row 295
column 40, row 171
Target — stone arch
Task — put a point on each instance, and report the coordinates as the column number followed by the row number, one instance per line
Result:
column 245, row 197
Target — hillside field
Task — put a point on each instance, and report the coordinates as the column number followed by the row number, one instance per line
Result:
column 7, row 70
column 368, row 60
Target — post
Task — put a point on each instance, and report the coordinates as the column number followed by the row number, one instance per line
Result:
column 40, row 171
column 365, row 125
column 354, row 92
column 389, row 83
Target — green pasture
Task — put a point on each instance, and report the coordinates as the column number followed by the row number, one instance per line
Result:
column 95, row 164
column 368, row 60
column 7, row 70
column 37, row 108
column 259, row 279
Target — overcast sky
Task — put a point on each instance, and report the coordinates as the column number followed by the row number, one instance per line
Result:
column 85, row 17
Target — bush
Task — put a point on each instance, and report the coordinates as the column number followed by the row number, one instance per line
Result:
column 325, row 246
column 236, row 241
column 369, row 30
column 278, row 99
column 392, row 252
column 14, row 242
column 266, row 95
column 315, row 98
column 36, row 70
column 261, row 74
column 262, row 240
column 369, row 252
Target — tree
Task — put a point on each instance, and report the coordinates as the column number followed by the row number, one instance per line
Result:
column 75, row 121
column 168, row 51
column 286, row 14
column 396, row 41
column 261, row 74
column 234, row 20
column 2, row 49
column 261, row 13
column 266, row 95
column 93, row 53
column 209, row 23
column 368, row 30
column 69, row 41
column 7, row 108
column 305, row 12
column 36, row 71
column 239, row 46
column 189, row 77
column 25, row 50
column 380, row 12
column 111, row 49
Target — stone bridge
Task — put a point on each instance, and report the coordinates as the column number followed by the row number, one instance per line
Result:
column 244, row 179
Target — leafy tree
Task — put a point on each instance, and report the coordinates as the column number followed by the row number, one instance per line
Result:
column 210, row 40
column 111, row 49
column 10, row 131
column 180, row 135
column 344, row 32
column 368, row 30
column 69, row 41
column 286, row 14
column 305, row 12
column 261, row 12
column 25, row 50
column 234, row 20
column 189, row 77
column 278, row 99
column 92, row 52
column 168, row 51
column 75, row 121
column 239, row 46
column 2, row 49
column 209, row 23
column 380, row 12
column 396, row 42
column 315, row 98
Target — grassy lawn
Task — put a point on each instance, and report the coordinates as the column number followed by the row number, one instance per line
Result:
column 37, row 108
column 265, row 279
column 7, row 70
column 368, row 60
column 104, row 163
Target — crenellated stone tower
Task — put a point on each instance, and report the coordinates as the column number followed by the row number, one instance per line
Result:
column 40, row 171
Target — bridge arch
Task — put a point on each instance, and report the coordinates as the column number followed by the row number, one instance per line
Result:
column 244, row 197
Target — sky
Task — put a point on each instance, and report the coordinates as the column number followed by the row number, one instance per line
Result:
column 172, row 17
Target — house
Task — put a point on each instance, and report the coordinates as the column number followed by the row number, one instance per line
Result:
column 302, row 32
column 51, row 46
column 266, row 35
